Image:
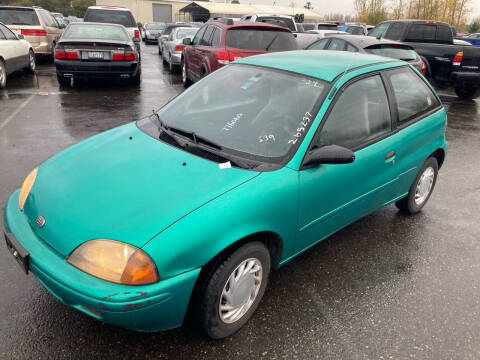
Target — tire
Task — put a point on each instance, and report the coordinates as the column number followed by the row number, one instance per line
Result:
column 3, row 75
column 408, row 204
column 137, row 79
column 163, row 59
column 171, row 66
column 159, row 52
column 185, row 80
column 52, row 54
column 63, row 81
column 467, row 93
column 31, row 62
column 218, row 323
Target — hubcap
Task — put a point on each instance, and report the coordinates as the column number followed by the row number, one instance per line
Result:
column 2, row 75
column 32, row 61
column 424, row 185
column 240, row 290
column 184, row 74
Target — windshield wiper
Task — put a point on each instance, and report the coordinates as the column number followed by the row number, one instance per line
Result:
column 165, row 130
column 271, row 42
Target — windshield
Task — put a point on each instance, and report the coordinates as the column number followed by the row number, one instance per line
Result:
column 155, row 26
column 249, row 111
column 105, row 32
column 186, row 33
column 18, row 16
column 260, row 39
column 110, row 16
column 281, row 21
column 395, row 51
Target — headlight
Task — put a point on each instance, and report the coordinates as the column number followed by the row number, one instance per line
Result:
column 26, row 187
column 114, row 261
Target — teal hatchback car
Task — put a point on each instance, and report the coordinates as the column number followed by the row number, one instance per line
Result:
column 190, row 208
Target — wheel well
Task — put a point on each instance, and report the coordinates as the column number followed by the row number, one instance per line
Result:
column 204, row 69
column 439, row 154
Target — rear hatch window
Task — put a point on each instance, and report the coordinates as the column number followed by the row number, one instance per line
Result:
column 280, row 21
column 18, row 16
column 110, row 16
column 396, row 51
column 259, row 39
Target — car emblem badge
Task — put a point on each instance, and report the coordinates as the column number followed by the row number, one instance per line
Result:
column 40, row 221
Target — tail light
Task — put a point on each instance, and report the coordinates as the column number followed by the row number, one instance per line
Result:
column 179, row 47
column 126, row 55
column 136, row 33
column 32, row 32
column 63, row 54
column 225, row 57
column 424, row 68
column 430, row 22
column 457, row 60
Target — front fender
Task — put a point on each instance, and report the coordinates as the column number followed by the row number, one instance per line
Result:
column 269, row 202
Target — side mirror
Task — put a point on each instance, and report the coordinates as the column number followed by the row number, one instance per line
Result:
column 187, row 41
column 20, row 37
column 62, row 26
column 329, row 154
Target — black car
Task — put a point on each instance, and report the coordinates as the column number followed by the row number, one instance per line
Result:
column 95, row 50
column 370, row 45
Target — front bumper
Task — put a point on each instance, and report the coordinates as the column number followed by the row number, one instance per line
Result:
column 97, row 69
column 153, row 307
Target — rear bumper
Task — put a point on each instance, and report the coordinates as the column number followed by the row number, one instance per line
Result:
column 153, row 307
column 99, row 69
column 176, row 58
column 465, row 77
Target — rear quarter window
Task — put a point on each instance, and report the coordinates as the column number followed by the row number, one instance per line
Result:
column 13, row 16
column 429, row 33
column 260, row 39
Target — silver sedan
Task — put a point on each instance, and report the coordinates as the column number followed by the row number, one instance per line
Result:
column 173, row 46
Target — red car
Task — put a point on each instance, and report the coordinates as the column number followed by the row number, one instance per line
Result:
column 219, row 42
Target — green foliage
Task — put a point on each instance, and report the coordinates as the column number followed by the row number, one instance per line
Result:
column 66, row 7
column 474, row 27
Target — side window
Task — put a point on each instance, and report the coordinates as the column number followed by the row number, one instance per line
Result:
column 206, row 36
column 351, row 48
column 337, row 44
column 379, row 30
column 395, row 31
column 360, row 115
column 412, row 95
column 6, row 33
column 421, row 32
column 47, row 19
column 198, row 36
column 216, row 37
column 319, row 45
column 444, row 33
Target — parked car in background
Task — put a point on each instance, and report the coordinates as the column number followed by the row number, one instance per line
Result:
column 72, row 19
column 313, row 35
column 354, row 29
column 173, row 46
column 473, row 39
column 447, row 64
column 97, row 50
column 37, row 26
column 60, row 19
column 461, row 42
column 220, row 42
column 166, row 33
column 320, row 26
column 114, row 15
column 280, row 20
column 153, row 31
column 15, row 54
column 371, row 45
column 276, row 145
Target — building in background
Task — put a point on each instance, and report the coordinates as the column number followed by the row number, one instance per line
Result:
column 177, row 10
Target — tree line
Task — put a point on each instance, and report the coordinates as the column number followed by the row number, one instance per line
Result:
column 454, row 12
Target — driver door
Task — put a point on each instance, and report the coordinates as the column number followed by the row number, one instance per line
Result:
column 334, row 195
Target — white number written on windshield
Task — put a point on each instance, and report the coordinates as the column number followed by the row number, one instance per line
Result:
column 307, row 118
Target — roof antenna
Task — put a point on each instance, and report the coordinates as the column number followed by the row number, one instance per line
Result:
column 340, row 77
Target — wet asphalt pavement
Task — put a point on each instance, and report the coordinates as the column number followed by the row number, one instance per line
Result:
column 387, row 287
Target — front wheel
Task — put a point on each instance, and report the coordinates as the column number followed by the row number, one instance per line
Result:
column 185, row 80
column 467, row 93
column 232, row 293
column 421, row 188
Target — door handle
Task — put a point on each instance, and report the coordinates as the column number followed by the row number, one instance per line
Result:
column 390, row 154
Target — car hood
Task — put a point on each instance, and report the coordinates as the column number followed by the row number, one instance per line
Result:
column 122, row 185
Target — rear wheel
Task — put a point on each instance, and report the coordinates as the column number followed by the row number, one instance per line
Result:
column 421, row 188
column 467, row 93
column 185, row 80
column 231, row 294
column 3, row 75
column 171, row 66
column 31, row 62
column 136, row 79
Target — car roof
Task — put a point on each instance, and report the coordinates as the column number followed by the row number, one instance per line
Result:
column 321, row 64
column 108, row 7
column 19, row 7
column 247, row 24
column 363, row 41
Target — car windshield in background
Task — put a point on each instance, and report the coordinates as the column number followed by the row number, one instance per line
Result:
column 110, row 16
column 259, row 39
column 18, row 16
column 186, row 33
column 355, row 30
column 307, row 27
column 252, row 110
column 154, row 26
column 104, row 32
column 286, row 22
column 393, row 51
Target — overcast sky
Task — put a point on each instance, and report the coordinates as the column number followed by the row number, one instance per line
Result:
column 337, row 6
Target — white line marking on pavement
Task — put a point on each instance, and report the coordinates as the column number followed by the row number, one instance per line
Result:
column 25, row 103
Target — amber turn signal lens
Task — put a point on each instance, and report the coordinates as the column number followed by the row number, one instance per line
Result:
column 139, row 270
column 26, row 187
